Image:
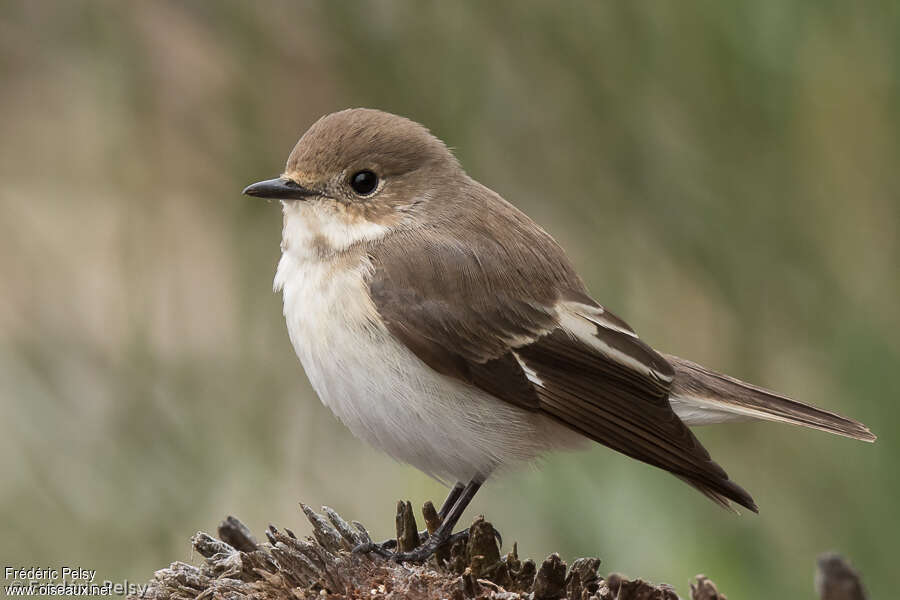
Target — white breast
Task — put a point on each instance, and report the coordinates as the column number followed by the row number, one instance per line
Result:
column 384, row 394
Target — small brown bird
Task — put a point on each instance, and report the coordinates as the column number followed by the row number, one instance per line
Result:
column 445, row 327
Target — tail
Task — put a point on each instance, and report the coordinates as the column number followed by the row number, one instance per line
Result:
column 701, row 396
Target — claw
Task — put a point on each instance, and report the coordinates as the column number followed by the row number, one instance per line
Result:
column 417, row 555
column 420, row 554
column 382, row 549
column 442, row 524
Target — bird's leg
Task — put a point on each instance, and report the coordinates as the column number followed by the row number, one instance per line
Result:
column 445, row 508
column 451, row 499
column 387, row 545
column 443, row 533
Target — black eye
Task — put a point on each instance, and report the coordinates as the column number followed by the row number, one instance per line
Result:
column 364, row 182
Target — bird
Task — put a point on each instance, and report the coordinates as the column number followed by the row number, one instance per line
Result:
column 446, row 328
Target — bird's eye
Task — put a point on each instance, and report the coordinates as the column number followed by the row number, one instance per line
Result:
column 364, row 182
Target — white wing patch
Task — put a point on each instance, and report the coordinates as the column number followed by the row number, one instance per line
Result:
column 530, row 373
column 585, row 328
column 598, row 316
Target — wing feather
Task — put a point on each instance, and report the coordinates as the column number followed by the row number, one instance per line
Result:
column 589, row 393
column 533, row 337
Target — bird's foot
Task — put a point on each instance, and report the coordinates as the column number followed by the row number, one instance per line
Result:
column 423, row 552
column 384, row 549
column 417, row 555
column 428, row 548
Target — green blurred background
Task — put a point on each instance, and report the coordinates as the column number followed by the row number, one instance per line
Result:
column 725, row 176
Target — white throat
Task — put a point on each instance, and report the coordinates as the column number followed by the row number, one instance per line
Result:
column 318, row 230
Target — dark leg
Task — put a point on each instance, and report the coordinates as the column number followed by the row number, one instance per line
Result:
column 450, row 500
column 448, row 504
column 445, row 530
column 381, row 548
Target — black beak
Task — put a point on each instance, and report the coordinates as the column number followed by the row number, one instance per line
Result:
column 279, row 189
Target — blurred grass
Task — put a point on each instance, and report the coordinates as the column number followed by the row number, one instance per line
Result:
column 724, row 176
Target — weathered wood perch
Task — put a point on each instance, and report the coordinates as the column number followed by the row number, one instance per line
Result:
column 237, row 566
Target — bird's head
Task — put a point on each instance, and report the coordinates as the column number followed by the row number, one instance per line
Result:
column 358, row 172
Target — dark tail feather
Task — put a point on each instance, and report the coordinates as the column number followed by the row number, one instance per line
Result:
column 703, row 388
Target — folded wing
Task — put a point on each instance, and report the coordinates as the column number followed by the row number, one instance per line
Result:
column 515, row 321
